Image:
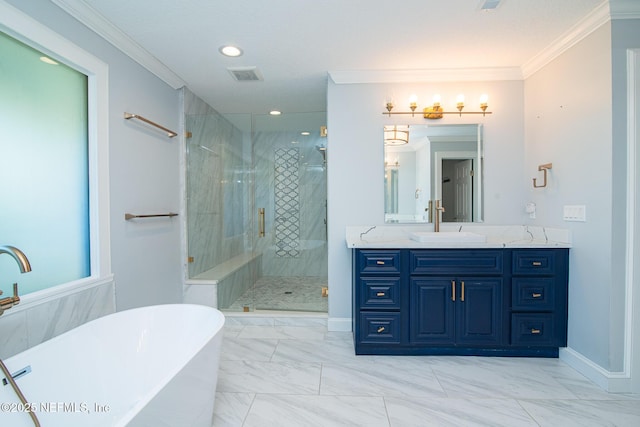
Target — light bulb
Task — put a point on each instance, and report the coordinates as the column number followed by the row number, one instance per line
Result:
column 413, row 102
column 460, row 103
column 484, row 98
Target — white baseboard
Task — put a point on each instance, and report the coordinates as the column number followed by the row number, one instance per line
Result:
column 613, row 382
column 339, row 324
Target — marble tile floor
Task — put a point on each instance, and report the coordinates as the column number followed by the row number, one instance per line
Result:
column 294, row 373
column 295, row 293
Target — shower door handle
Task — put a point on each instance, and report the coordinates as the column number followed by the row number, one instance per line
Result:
column 260, row 222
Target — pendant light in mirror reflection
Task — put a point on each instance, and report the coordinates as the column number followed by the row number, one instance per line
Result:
column 396, row 135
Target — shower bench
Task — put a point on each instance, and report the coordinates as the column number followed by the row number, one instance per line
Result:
column 224, row 283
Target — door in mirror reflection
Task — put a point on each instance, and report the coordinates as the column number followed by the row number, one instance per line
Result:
column 457, row 190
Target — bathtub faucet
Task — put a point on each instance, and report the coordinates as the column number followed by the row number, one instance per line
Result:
column 25, row 267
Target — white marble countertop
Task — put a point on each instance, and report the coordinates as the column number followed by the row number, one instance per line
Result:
column 498, row 236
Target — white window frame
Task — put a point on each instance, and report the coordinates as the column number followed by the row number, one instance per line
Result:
column 31, row 32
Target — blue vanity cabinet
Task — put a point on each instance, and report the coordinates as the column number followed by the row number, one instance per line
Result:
column 502, row 302
column 539, row 298
column 377, row 298
column 456, row 297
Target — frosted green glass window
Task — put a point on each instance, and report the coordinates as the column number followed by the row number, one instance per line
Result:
column 44, row 180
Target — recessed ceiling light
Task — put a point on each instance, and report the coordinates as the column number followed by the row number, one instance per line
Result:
column 230, row 51
column 305, row 133
column 275, row 112
column 48, row 60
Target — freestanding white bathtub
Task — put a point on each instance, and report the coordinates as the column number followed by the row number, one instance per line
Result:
column 151, row 366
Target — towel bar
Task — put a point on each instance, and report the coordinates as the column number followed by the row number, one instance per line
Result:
column 129, row 216
column 169, row 132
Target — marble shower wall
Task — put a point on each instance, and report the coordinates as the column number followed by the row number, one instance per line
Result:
column 291, row 185
column 218, row 187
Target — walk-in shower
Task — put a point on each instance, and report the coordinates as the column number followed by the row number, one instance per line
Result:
column 256, row 208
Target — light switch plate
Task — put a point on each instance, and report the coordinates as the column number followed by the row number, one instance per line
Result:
column 575, row 213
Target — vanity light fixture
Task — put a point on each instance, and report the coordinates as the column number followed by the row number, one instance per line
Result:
column 435, row 111
column 396, row 135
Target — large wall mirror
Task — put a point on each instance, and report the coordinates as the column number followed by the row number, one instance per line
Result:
column 425, row 163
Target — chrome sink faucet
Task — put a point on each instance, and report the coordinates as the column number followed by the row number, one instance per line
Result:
column 437, row 211
column 25, row 267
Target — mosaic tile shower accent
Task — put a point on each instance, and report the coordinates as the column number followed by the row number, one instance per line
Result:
column 287, row 202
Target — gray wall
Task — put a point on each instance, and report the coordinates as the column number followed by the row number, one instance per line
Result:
column 568, row 122
column 576, row 117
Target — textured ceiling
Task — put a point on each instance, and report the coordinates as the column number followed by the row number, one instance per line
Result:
column 295, row 43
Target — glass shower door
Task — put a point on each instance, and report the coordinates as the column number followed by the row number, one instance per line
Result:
column 219, row 200
column 289, row 158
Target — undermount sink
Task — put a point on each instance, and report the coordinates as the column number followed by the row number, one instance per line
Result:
column 448, row 237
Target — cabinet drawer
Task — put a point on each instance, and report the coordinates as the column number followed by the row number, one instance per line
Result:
column 533, row 262
column 379, row 262
column 380, row 293
column 533, row 293
column 533, row 330
column 456, row 261
column 379, row 328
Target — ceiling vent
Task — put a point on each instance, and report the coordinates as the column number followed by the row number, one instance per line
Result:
column 246, row 74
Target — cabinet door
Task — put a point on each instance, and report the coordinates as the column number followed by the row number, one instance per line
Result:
column 432, row 311
column 479, row 311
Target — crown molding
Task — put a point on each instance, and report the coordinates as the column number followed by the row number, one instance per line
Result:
column 426, row 75
column 596, row 18
column 105, row 29
column 608, row 9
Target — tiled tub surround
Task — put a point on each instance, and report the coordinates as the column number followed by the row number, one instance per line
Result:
column 290, row 372
column 29, row 324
